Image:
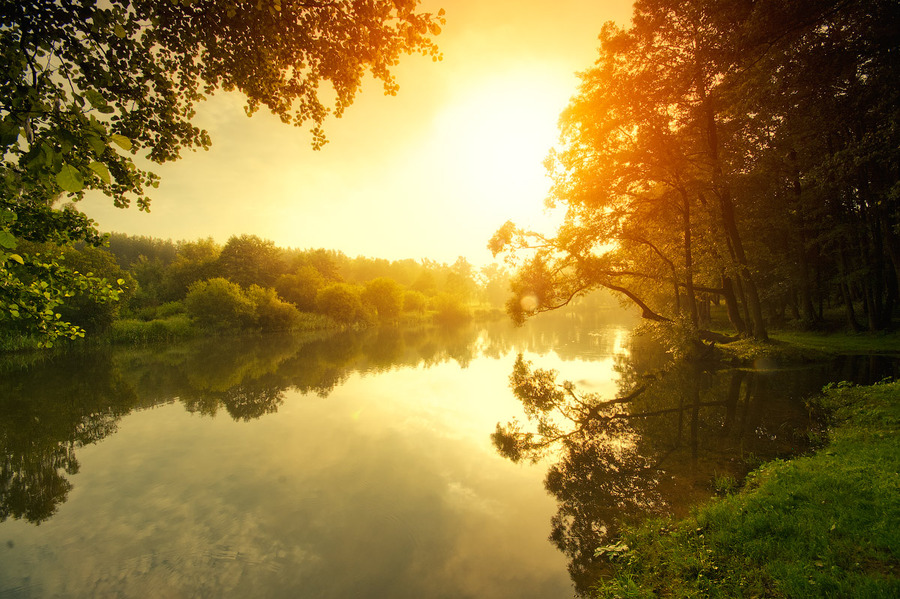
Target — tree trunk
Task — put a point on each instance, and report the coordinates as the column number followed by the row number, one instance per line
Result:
column 731, row 305
column 689, row 261
column 729, row 220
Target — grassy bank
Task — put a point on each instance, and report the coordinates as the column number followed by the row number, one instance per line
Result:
column 825, row 525
column 796, row 347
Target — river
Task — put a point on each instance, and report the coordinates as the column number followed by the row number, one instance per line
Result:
column 353, row 465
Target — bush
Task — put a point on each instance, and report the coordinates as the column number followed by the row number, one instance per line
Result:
column 450, row 310
column 219, row 304
column 414, row 301
column 386, row 297
column 341, row 302
column 271, row 312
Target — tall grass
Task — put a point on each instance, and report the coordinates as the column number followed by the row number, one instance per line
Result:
column 173, row 328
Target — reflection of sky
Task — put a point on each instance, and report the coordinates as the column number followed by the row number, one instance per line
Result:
column 386, row 488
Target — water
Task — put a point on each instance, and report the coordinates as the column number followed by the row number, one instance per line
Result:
column 356, row 465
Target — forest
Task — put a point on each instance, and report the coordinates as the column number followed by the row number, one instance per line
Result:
column 168, row 290
column 740, row 154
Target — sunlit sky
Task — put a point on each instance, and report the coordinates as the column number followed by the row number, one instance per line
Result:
column 429, row 173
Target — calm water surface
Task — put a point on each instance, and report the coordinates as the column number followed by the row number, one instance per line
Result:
column 357, row 465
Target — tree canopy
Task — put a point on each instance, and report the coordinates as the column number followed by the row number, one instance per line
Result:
column 91, row 91
column 728, row 151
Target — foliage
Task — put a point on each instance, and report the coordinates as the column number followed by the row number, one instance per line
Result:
column 248, row 260
column 734, row 152
column 194, row 261
column 450, row 310
column 414, row 301
column 163, row 329
column 271, row 313
column 85, row 310
column 219, row 304
column 386, row 296
column 340, row 301
column 86, row 86
column 129, row 249
column 301, row 287
column 35, row 281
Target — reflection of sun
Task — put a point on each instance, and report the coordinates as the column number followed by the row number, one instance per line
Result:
column 495, row 135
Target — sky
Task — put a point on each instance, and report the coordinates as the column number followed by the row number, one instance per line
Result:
column 430, row 173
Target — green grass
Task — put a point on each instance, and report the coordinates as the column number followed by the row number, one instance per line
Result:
column 795, row 347
column 826, row 525
column 842, row 343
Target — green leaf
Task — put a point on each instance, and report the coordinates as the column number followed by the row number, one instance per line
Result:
column 101, row 170
column 121, row 141
column 96, row 144
column 7, row 240
column 69, row 178
column 16, row 258
column 96, row 100
column 119, row 31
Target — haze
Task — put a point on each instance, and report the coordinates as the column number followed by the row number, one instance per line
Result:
column 430, row 173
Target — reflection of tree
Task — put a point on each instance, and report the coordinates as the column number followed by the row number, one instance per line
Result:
column 51, row 408
column 47, row 411
column 655, row 449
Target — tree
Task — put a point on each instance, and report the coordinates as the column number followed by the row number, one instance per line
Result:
column 736, row 150
column 301, row 287
column 33, row 285
column 87, row 85
column 248, row 260
column 194, row 261
column 340, row 301
column 271, row 313
column 386, row 296
column 219, row 304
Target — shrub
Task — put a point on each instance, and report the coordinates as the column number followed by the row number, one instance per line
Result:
column 271, row 312
column 385, row 296
column 450, row 310
column 414, row 301
column 219, row 304
column 341, row 302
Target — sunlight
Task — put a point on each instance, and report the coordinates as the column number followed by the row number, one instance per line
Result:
column 494, row 136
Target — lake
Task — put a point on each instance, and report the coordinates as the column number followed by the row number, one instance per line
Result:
column 358, row 464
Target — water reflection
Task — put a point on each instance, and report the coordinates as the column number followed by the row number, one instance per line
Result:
column 681, row 427
column 352, row 465
column 375, row 478
column 46, row 415
column 51, row 407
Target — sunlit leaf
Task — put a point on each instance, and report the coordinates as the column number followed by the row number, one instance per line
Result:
column 96, row 144
column 96, row 100
column 119, row 31
column 121, row 141
column 69, row 178
column 7, row 240
column 101, row 170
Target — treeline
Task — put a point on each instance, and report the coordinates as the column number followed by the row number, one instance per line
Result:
column 739, row 153
column 249, row 283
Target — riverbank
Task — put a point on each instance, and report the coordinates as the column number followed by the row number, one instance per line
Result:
column 799, row 347
column 823, row 525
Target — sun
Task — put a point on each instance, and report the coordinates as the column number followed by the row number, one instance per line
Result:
column 494, row 136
